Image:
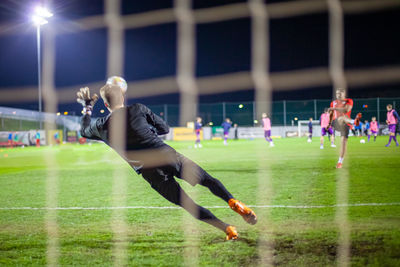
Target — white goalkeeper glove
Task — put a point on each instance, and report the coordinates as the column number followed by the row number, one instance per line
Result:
column 85, row 100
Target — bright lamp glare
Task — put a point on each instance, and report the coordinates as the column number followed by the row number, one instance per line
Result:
column 43, row 12
column 38, row 21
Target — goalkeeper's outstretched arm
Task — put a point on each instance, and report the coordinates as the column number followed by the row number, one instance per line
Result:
column 89, row 129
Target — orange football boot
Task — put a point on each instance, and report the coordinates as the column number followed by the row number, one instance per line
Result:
column 231, row 233
column 248, row 214
column 339, row 165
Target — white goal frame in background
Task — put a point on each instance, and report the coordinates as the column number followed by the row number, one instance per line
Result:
column 302, row 123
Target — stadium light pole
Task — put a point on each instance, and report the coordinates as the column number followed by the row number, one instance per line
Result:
column 39, row 19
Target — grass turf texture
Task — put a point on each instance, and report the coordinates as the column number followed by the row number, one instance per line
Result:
column 299, row 174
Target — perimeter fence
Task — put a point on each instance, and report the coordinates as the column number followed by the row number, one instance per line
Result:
column 283, row 113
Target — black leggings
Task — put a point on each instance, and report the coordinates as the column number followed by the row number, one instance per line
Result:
column 162, row 180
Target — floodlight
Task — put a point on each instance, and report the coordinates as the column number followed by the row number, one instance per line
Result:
column 39, row 21
column 43, row 12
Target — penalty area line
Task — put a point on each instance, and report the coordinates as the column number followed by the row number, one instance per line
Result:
column 208, row 207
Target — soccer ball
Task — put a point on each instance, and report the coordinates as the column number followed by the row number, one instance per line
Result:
column 116, row 80
column 362, row 141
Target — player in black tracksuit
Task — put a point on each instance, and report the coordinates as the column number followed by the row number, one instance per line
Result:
column 156, row 161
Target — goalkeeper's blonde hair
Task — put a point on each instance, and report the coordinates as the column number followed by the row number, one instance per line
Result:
column 112, row 95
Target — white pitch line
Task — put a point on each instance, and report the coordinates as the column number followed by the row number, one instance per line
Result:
column 209, row 207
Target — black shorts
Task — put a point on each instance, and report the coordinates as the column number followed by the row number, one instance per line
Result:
column 162, row 178
column 342, row 128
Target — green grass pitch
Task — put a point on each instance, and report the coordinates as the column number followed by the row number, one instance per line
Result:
column 293, row 173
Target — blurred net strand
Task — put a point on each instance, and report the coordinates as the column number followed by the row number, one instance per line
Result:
column 52, row 174
column 336, row 65
column 336, row 45
column 263, row 92
column 341, row 217
column 219, row 13
column 239, row 81
column 188, row 89
column 51, row 224
column 185, row 74
column 119, row 195
column 115, row 66
column 115, row 55
column 286, row 80
column 260, row 56
column 185, row 78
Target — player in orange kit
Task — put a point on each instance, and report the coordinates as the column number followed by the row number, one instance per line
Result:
column 340, row 119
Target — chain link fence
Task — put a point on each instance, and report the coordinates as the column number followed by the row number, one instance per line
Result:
column 284, row 113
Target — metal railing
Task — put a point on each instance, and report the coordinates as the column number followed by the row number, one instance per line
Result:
column 284, row 113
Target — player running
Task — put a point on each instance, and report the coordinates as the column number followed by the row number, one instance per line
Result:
column 57, row 138
column 156, row 161
column 341, row 121
column 37, row 136
column 310, row 130
column 16, row 139
column 226, row 125
column 367, row 128
column 392, row 118
column 326, row 128
column 358, row 128
column 374, row 128
column 197, row 128
column 267, row 128
column 10, row 140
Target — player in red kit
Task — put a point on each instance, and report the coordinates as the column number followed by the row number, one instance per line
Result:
column 340, row 119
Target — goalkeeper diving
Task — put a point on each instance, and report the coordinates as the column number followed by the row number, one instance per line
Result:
column 149, row 156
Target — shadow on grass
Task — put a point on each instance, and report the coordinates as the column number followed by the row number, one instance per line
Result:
column 320, row 248
column 288, row 249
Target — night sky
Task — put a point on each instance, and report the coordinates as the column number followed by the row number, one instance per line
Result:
column 371, row 40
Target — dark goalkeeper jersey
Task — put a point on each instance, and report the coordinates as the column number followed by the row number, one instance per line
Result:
column 142, row 128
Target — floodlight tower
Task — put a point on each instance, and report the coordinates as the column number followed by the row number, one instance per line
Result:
column 39, row 18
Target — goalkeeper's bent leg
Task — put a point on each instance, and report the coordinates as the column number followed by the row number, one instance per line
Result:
column 216, row 187
column 200, row 212
column 194, row 174
column 170, row 189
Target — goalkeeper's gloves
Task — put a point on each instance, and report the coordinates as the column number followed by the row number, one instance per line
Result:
column 86, row 101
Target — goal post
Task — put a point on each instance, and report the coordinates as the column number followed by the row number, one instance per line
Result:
column 304, row 123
